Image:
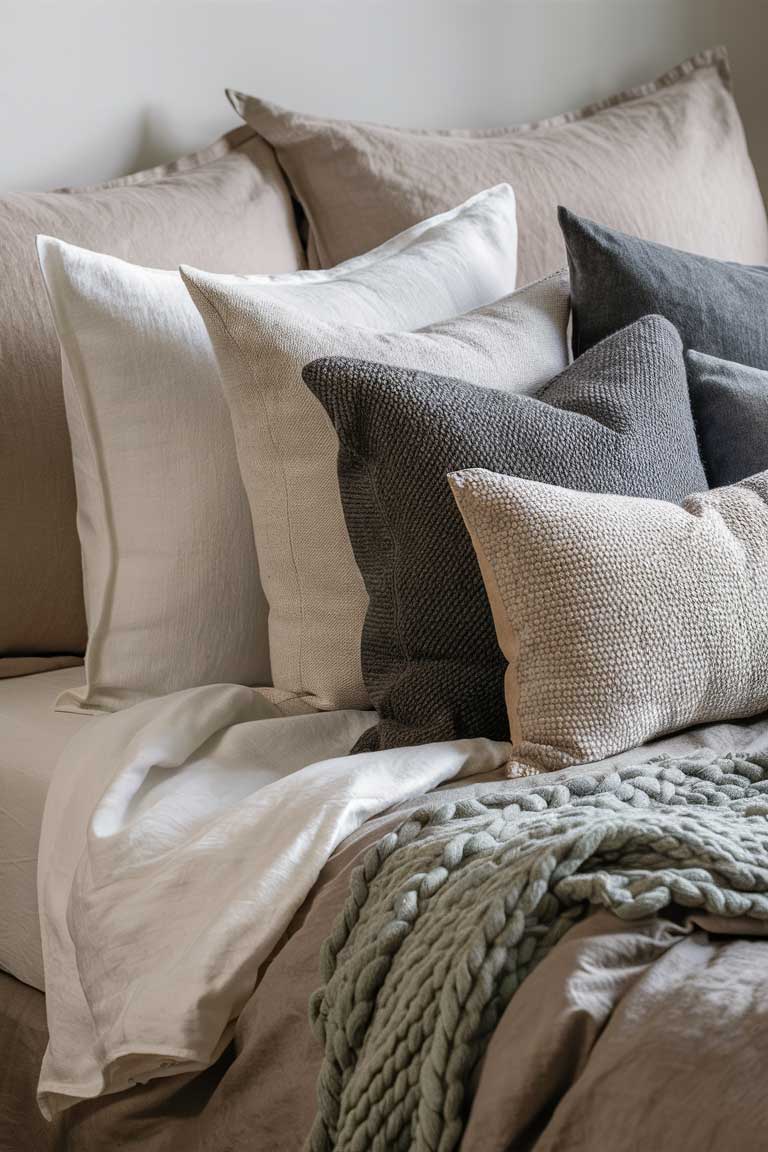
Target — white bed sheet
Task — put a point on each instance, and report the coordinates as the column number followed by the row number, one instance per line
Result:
column 178, row 841
column 32, row 737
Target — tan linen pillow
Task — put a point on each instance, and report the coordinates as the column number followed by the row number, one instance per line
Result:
column 227, row 207
column 622, row 618
column 287, row 445
column 666, row 161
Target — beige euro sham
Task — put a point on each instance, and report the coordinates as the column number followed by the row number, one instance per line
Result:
column 226, row 207
column 286, row 443
column 666, row 161
column 172, row 591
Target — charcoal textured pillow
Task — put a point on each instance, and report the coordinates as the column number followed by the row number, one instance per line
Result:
column 618, row 420
column 730, row 408
column 717, row 307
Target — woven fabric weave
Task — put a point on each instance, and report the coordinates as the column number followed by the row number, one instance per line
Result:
column 621, row 619
column 447, row 916
column 618, row 420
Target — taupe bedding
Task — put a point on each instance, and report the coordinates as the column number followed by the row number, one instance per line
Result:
column 630, row 1037
column 649, row 1035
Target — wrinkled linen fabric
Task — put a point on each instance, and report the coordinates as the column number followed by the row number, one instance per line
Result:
column 667, row 160
column 447, row 917
column 426, row 297
column 210, row 804
column 227, row 208
column 730, row 407
column 32, row 738
column 261, row 1090
column 176, row 847
column 597, row 1049
column 629, row 1036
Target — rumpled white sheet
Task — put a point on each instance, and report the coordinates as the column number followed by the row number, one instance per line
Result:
column 180, row 836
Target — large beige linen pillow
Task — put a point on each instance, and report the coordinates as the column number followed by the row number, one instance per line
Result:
column 228, row 208
column 666, row 161
column 622, row 618
column 287, row 445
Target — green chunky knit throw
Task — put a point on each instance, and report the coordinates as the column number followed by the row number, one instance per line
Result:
column 448, row 915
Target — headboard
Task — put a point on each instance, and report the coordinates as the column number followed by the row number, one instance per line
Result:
column 92, row 89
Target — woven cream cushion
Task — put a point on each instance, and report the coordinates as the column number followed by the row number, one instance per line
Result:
column 286, row 444
column 621, row 618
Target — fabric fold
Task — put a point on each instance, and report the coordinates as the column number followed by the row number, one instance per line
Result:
column 176, row 847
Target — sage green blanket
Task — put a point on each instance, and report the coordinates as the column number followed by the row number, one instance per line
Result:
column 448, row 915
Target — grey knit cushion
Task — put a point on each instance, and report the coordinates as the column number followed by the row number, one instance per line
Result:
column 618, row 420
column 730, row 407
column 717, row 307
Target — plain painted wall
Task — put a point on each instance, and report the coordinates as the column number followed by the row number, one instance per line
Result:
column 91, row 90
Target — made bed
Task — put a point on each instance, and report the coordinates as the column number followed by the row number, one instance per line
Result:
column 408, row 784
column 585, row 1053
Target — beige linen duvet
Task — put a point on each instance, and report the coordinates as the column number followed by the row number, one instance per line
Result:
column 628, row 1036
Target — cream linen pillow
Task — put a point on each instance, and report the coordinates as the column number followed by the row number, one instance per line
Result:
column 288, row 448
column 666, row 161
column 172, row 590
column 622, row 618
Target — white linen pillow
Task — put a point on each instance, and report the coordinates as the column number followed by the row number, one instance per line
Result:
column 172, row 590
column 622, row 618
column 172, row 593
column 288, row 448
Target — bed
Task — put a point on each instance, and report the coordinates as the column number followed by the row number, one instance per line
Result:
column 606, row 972
column 341, row 836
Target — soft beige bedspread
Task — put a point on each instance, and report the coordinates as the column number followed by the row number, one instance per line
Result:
column 651, row 1035
column 646, row 1035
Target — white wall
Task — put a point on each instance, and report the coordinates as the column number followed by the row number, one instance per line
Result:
column 90, row 90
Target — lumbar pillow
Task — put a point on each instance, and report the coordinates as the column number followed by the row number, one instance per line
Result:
column 287, row 446
column 228, row 208
column 172, row 587
column 618, row 420
column 667, row 160
column 717, row 307
column 730, row 407
column 621, row 619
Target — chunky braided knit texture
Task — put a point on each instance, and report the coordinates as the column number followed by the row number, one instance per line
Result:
column 448, row 915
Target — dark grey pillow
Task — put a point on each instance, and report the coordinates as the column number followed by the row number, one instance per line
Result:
column 618, row 420
column 730, row 408
column 717, row 307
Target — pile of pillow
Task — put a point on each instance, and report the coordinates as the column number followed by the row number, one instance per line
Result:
column 383, row 481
